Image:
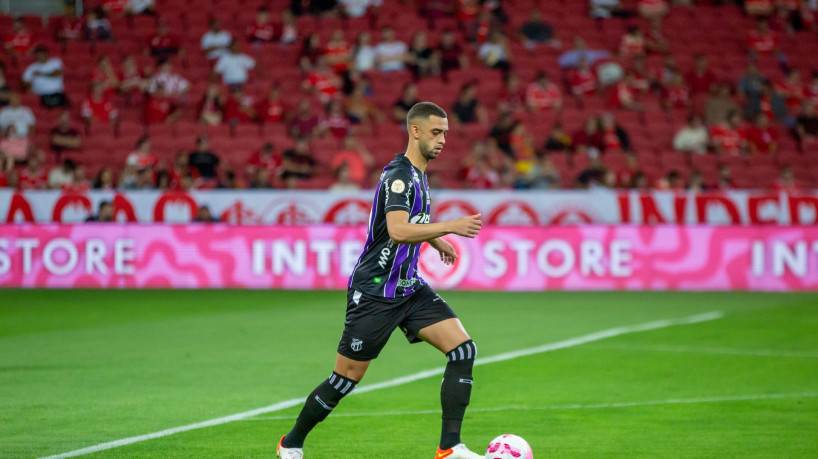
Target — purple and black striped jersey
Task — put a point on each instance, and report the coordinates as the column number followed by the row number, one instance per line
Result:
column 386, row 269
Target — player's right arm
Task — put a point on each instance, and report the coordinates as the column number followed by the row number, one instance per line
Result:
column 401, row 231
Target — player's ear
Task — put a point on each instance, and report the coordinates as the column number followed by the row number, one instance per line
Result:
column 414, row 131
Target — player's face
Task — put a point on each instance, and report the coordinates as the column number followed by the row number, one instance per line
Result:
column 433, row 136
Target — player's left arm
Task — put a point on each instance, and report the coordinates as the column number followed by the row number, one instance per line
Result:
column 447, row 253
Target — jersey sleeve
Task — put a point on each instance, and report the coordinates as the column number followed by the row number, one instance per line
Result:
column 398, row 189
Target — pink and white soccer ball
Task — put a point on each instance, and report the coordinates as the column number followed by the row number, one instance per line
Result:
column 509, row 447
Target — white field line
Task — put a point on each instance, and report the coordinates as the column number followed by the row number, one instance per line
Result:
column 708, row 350
column 571, row 342
column 670, row 401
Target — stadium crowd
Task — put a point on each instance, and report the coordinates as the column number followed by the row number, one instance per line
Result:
column 310, row 89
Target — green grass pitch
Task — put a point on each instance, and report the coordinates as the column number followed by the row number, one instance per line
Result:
column 79, row 368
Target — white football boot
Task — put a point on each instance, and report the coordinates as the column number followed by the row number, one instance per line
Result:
column 458, row 451
column 288, row 453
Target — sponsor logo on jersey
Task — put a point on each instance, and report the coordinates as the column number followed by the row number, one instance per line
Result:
column 407, row 282
column 420, row 218
column 385, row 252
column 356, row 344
column 398, row 186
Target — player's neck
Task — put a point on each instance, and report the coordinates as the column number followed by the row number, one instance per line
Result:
column 417, row 159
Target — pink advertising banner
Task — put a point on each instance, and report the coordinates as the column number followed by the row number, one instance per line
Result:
column 659, row 257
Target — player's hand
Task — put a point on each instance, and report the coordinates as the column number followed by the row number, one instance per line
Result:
column 447, row 252
column 467, row 226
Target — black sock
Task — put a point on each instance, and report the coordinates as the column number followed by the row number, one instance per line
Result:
column 318, row 406
column 456, row 391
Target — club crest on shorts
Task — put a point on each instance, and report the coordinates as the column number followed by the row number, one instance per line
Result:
column 356, row 344
column 398, row 186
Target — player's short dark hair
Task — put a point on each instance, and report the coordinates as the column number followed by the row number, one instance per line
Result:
column 424, row 110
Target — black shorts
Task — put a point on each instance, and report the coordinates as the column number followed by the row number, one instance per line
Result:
column 370, row 320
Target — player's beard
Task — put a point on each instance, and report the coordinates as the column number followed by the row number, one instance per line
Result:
column 428, row 150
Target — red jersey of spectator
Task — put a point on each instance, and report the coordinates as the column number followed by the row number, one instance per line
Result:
column 101, row 110
column 582, row 82
column 756, row 5
column 786, row 186
column 467, row 9
column 622, row 95
column 676, row 96
column 339, row 54
column 543, row 98
column 639, row 81
column 514, row 99
column 762, row 43
column 793, row 93
column 632, row 45
column 20, row 42
column 262, row 32
column 811, row 91
column 325, row 84
column 608, row 140
column 158, row 109
column 115, row 6
column 168, row 41
column 71, row 29
column 235, row 109
column 271, row 111
column 269, row 162
column 483, row 178
column 35, row 180
column 762, row 139
column 338, row 125
column 700, row 84
column 653, row 5
column 355, row 164
column 728, row 140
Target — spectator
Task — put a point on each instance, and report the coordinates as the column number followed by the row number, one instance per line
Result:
column 161, row 109
column 771, row 103
column 216, row 41
column 69, row 27
column 8, row 177
column 322, row 82
column 409, row 97
column 338, row 52
column 181, row 172
column 115, row 7
column 542, row 94
column 289, row 28
column 452, row 54
column 762, row 40
column 162, row 180
column 758, row 8
column 240, row 107
column 653, row 10
column 360, row 109
column 720, row 106
column 500, row 133
column 522, row 146
column 63, row 137
column 33, row 176
column 612, row 137
column 749, row 87
column 692, row 137
column 467, row 109
column 602, row 9
column 304, row 124
column 572, row 58
column 96, row 108
column 18, row 115
column 322, row 8
column 543, row 175
column 586, row 140
column 173, row 84
column 15, row 146
column 696, row 182
column 511, row 97
column 495, row 53
column 480, row 168
column 583, row 80
column 623, row 96
column 262, row 165
column 97, row 26
column 640, row 81
column 536, row 31
column 62, row 175
column 203, row 215
column 205, row 162
column 130, row 78
column 105, row 74
column 481, row 28
column 762, row 138
column 655, row 41
column 364, row 53
column 792, row 89
column 262, row 30
column 271, row 109
column 343, row 181
column 234, row 66
column 105, row 213
column 667, row 72
column 422, row 60
column 211, row 108
column 724, row 179
column 700, row 79
column 311, row 49
column 298, row 163
column 806, row 123
column 5, row 89
column 786, row 181
column 336, row 121
column 390, row 54
column 811, row 89
column 727, row 136
column 19, row 41
column 45, row 78
column 163, row 45
column 141, row 157
column 146, row 7
column 632, row 43
column 675, row 95
column 355, row 157
column 359, row 8
column 104, row 179
column 558, row 139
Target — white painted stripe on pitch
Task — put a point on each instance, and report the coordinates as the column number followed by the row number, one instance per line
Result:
column 670, row 401
column 708, row 350
column 571, row 342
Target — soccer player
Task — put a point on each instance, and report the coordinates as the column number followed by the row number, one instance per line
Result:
column 385, row 291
